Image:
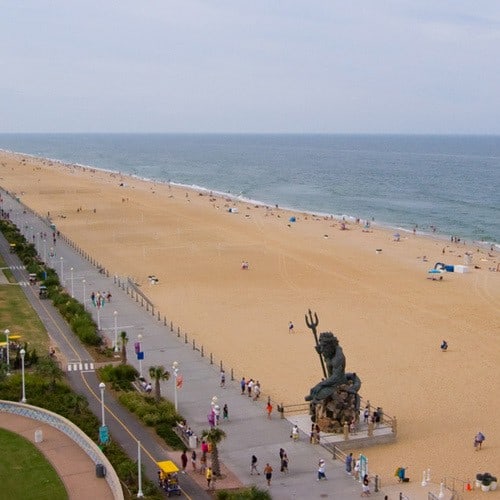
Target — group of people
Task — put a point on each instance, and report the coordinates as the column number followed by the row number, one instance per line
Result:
column 250, row 387
column 146, row 386
column 100, row 298
column 268, row 470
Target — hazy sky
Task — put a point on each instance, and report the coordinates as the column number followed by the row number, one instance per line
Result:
column 403, row 66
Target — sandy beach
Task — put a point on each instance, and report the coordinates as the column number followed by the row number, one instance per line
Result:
column 373, row 292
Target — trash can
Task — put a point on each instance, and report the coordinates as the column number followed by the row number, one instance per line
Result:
column 100, row 470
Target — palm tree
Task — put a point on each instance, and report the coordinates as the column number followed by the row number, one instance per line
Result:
column 124, row 340
column 158, row 373
column 48, row 368
column 214, row 436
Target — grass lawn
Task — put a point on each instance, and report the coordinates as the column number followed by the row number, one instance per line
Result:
column 17, row 315
column 24, row 472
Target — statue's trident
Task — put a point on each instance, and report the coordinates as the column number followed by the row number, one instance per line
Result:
column 312, row 325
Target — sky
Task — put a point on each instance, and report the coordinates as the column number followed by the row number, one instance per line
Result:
column 264, row 66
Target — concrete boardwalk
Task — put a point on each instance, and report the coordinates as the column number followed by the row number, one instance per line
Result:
column 248, row 429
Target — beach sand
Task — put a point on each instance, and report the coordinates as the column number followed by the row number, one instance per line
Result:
column 389, row 317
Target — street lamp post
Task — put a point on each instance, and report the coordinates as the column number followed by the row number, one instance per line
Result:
column 102, row 386
column 23, row 353
column 62, row 270
column 140, row 494
column 115, row 314
column 84, row 294
column 139, row 337
column 45, row 250
column 72, row 288
column 7, row 332
column 175, row 369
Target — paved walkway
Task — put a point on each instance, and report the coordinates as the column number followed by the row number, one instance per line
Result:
column 248, row 429
column 72, row 464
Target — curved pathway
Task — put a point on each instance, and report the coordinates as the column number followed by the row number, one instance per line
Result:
column 74, row 467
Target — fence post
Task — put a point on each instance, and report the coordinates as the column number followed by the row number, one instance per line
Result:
column 232, row 375
column 171, row 327
column 194, row 345
column 185, row 337
column 211, row 359
column 159, row 316
column 178, row 331
column 202, row 353
column 221, row 367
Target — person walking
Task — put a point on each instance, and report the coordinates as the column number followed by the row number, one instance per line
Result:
column 184, row 461
column 208, row 476
column 243, row 385
column 269, row 409
column 268, row 471
column 290, row 327
column 284, row 463
column 223, row 379
column 365, row 486
column 321, row 470
column 295, row 433
column 253, row 466
column 348, row 463
column 193, row 460
column 225, row 412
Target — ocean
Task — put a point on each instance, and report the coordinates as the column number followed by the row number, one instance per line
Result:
column 441, row 185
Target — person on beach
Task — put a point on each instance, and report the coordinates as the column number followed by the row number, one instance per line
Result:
column 225, row 412
column 478, row 441
column 295, row 433
column 243, row 385
column 268, row 471
column 193, row 460
column 253, row 466
column 290, row 327
column 444, row 345
column 223, row 379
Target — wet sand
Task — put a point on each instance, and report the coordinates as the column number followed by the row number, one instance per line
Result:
column 389, row 317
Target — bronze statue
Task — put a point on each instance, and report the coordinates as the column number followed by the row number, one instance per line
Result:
column 334, row 400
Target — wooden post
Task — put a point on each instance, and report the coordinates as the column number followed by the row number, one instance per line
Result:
column 346, row 431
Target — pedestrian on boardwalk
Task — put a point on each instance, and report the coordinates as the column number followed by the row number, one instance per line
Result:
column 295, row 433
column 356, row 470
column 184, row 461
column 253, row 466
column 225, row 412
column 193, row 459
column 366, row 486
column 284, row 463
column 290, row 327
column 250, row 385
column 269, row 409
column 208, row 477
column 268, row 471
column 223, row 379
column 243, row 385
column 256, row 390
column 321, row 470
column 203, row 463
column 478, row 440
column 348, row 463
